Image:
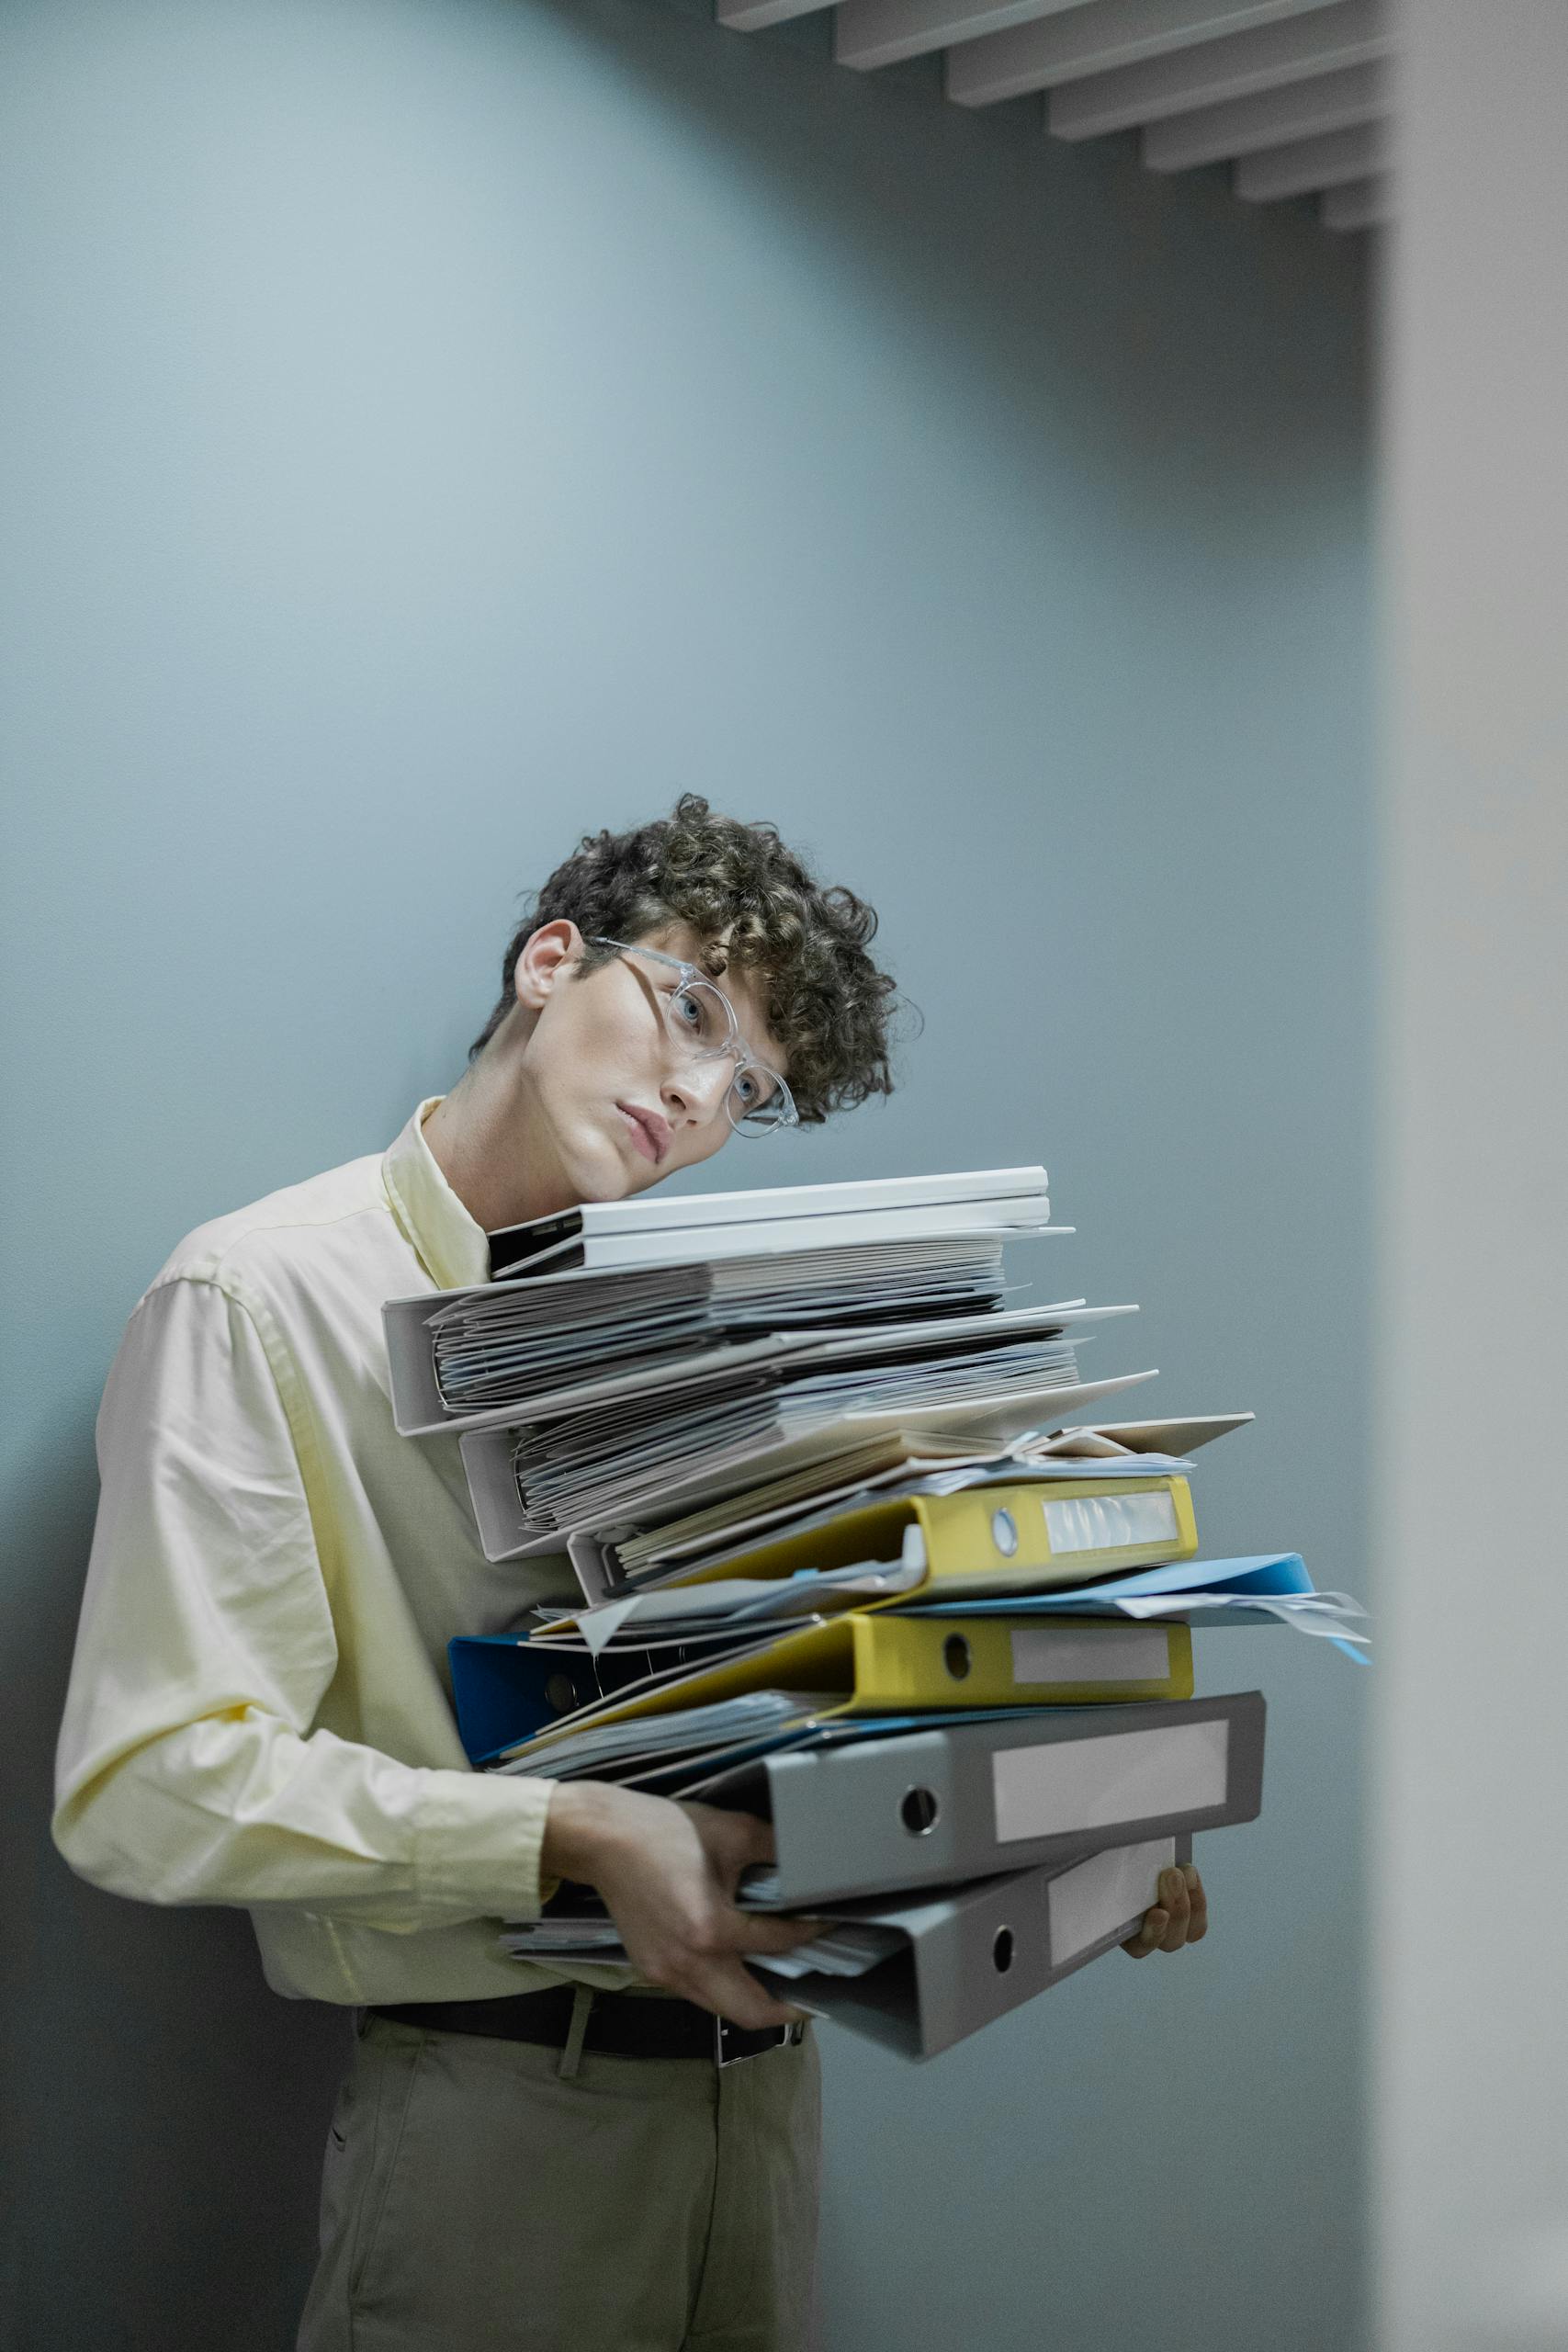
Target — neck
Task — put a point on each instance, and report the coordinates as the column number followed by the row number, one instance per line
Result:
column 480, row 1138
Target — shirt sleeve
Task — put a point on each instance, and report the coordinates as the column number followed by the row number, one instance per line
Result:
column 188, row 1769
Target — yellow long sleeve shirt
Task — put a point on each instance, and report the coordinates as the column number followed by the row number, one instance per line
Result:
column 259, row 1712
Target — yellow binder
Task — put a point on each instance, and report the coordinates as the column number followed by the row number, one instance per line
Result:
column 866, row 1662
column 990, row 1541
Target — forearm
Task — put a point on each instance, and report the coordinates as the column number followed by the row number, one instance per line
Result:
column 238, row 1809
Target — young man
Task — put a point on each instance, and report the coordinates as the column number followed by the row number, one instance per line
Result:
column 521, row 2159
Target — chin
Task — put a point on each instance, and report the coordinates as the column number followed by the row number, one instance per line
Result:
column 600, row 1168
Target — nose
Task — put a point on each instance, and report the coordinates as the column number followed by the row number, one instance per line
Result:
column 696, row 1090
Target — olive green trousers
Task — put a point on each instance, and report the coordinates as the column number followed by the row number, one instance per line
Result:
column 475, row 2199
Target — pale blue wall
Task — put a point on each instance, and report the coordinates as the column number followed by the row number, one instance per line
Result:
column 429, row 429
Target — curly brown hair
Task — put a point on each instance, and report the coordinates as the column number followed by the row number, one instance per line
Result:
column 827, row 1004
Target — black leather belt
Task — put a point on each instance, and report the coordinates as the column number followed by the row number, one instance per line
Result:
column 621, row 2025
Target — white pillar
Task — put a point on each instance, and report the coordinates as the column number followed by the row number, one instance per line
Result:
column 1470, row 1849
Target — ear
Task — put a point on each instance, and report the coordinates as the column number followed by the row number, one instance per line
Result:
column 549, row 955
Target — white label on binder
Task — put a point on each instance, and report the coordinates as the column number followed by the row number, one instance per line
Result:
column 1060, row 1786
column 1109, row 1891
column 1108, row 1523
column 1090, row 1653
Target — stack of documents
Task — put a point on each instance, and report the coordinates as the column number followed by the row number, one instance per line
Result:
column 502, row 1350
column 847, row 1562
column 602, row 1457
column 647, row 1282
column 640, row 1358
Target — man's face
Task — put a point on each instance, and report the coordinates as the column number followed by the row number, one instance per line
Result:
column 614, row 1104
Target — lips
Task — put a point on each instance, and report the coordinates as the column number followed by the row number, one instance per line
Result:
column 648, row 1132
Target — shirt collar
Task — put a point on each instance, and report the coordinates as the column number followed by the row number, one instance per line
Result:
column 452, row 1248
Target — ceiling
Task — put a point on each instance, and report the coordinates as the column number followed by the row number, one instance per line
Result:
column 1293, row 96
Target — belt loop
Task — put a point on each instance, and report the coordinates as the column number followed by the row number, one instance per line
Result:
column 581, row 2002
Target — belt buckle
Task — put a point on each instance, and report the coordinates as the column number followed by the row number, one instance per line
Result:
column 724, row 2030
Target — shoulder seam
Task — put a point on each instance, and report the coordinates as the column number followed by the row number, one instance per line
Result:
column 204, row 1271
column 293, row 1395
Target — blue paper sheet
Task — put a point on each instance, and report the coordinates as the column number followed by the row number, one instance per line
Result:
column 1273, row 1573
column 1249, row 1584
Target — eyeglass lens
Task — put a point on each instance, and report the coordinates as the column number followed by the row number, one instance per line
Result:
column 755, row 1101
column 698, row 1018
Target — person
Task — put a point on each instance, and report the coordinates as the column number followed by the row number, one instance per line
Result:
column 521, row 2159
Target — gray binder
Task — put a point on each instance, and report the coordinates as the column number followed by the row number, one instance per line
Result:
column 931, row 1808
column 974, row 1952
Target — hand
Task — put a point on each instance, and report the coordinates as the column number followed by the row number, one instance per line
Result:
column 668, row 1874
column 1180, row 1917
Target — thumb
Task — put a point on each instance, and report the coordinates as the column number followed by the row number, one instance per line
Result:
column 737, row 1840
column 760, row 1845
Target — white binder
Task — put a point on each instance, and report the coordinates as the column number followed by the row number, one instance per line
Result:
column 933, row 1808
column 970, row 1954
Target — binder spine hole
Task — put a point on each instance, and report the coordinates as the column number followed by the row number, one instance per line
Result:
column 1001, row 1950
column 561, row 1693
column 919, row 1810
column 1004, row 1533
column 955, row 1656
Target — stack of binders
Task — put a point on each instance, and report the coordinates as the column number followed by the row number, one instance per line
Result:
column 844, row 1564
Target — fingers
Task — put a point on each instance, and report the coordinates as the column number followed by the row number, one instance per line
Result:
column 1199, row 1926
column 705, row 1962
column 1149, row 1936
column 1180, row 1917
column 761, row 1846
column 733, row 1842
column 1176, row 1901
column 759, row 1932
column 731, row 1991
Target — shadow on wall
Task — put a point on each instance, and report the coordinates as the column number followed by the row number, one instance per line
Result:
column 183, row 2255
column 1063, row 284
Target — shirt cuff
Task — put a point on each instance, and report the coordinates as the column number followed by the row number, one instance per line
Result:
column 477, row 1844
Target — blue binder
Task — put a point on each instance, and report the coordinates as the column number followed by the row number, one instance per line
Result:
column 504, row 1691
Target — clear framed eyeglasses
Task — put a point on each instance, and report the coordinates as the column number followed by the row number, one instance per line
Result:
column 701, row 1019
